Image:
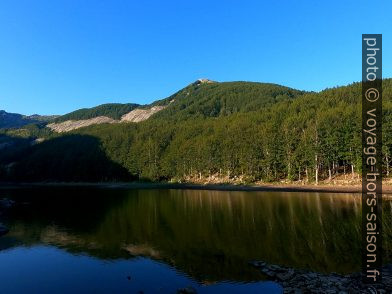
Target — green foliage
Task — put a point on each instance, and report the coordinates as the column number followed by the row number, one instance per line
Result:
column 248, row 130
column 33, row 131
column 112, row 110
column 222, row 99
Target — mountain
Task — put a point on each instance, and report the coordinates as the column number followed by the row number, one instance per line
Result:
column 15, row 120
column 203, row 98
column 208, row 131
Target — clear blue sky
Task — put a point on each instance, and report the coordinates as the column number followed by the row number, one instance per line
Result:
column 58, row 56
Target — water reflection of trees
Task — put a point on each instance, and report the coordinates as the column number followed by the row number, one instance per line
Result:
column 211, row 234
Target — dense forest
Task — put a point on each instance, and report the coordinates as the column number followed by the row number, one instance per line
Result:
column 238, row 130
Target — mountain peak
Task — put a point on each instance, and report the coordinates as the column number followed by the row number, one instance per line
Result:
column 203, row 81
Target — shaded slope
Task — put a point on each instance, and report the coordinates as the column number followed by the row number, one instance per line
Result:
column 15, row 120
column 68, row 158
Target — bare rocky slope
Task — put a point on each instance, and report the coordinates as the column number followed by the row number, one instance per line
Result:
column 136, row 115
column 70, row 125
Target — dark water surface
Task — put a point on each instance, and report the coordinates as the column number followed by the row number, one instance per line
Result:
column 156, row 241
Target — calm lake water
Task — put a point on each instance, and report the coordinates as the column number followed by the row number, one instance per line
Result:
column 156, row 241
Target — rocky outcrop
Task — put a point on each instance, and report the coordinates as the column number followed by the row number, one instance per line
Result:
column 302, row 281
column 203, row 81
column 138, row 115
column 70, row 125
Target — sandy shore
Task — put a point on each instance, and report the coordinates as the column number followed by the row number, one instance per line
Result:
column 387, row 189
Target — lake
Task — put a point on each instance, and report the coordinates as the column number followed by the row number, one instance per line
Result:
column 65, row 240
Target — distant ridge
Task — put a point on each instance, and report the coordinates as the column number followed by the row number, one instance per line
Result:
column 16, row 120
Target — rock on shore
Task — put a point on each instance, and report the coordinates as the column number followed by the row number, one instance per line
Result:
column 302, row 281
column 5, row 204
column 187, row 290
column 3, row 230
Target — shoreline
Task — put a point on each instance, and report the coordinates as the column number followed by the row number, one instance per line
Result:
column 306, row 281
column 387, row 189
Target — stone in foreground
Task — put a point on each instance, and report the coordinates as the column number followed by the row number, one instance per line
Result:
column 187, row 290
column 3, row 230
column 302, row 281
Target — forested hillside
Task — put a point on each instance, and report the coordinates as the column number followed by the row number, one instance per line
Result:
column 250, row 131
column 112, row 110
column 213, row 99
